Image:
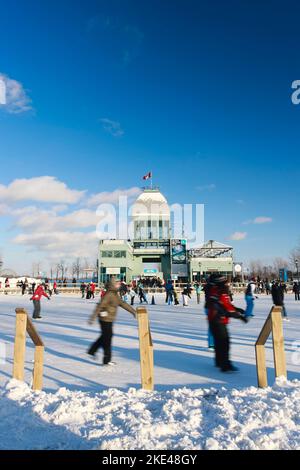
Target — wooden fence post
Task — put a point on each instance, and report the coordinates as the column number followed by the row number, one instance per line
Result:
column 20, row 344
column 261, row 367
column 38, row 368
column 273, row 324
column 278, row 342
column 146, row 349
column 23, row 324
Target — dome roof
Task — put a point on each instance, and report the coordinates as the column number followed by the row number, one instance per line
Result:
column 151, row 202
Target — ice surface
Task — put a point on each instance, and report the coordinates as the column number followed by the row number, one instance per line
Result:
column 84, row 405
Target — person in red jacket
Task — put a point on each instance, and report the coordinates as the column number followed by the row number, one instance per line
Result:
column 220, row 310
column 36, row 298
column 92, row 289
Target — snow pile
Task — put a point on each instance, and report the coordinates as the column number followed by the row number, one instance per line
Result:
column 176, row 419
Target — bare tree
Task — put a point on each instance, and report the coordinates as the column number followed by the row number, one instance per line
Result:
column 77, row 268
column 294, row 255
column 36, row 268
column 61, row 270
column 279, row 263
column 256, row 268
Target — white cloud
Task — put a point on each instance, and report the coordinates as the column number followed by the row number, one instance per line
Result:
column 262, row 220
column 113, row 196
column 237, row 236
column 56, row 231
column 35, row 219
column 14, row 98
column 112, row 127
column 60, row 244
column 60, row 208
column 206, row 187
column 41, row 189
column 259, row 220
column 4, row 209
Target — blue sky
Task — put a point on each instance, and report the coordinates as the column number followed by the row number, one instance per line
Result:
column 197, row 91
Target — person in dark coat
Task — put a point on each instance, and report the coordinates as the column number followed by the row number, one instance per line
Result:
column 278, row 297
column 296, row 290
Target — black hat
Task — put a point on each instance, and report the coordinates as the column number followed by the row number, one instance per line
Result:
column 218, row 279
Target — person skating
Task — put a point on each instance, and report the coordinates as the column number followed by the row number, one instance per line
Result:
column 132, row 295
column 106, row 311
column 220, row 310
column 55, row 288
column 198, row 290
column 278, row 298
column 36, row 298
column 92, row 289
column 82, row 289
column 296, row 290
column 250, row 296
column 175, row 295
column 142, row 295
column 207, row 287
column 186, row 295
column 169, row 289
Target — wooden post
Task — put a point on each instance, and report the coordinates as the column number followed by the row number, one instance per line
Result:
column 23, row 324
column 38, row 368
column 278, row 342
column 260, row 352
column 146, row 349
column 20, row 344
column 273, row 324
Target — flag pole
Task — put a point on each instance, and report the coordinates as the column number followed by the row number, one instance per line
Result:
column 151, row 180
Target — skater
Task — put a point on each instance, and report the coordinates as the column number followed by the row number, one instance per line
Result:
column 207, row 286
column 49, row 288
column 132, row 295
column 36, row 298
column 55, row 288
column 278, row 298
column 23, row 287
column 296, row 290
column 142, row 294
column 198, row 290
column 106, row 312
column 250, row 296
column 82, row 289
column 186, row 295
column 220, row 310
column 102, row 293
column 92, row 289
column 169, row 289
column 176, row 301
column 88, row 292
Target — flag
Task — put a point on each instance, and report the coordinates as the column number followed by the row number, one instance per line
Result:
column 147, row 176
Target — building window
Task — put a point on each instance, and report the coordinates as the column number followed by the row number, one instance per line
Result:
column 120, row 254
column 106, row 254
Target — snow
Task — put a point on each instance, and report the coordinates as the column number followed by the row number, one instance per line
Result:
column 194, row 406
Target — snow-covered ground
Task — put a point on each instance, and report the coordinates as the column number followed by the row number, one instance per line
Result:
column 85, row 406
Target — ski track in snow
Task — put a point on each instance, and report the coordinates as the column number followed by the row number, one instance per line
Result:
column 85, row 406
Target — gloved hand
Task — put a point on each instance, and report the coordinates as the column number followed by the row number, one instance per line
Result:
column 244, row 319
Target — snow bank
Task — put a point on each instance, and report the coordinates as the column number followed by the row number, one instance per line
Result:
column 177, row 419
